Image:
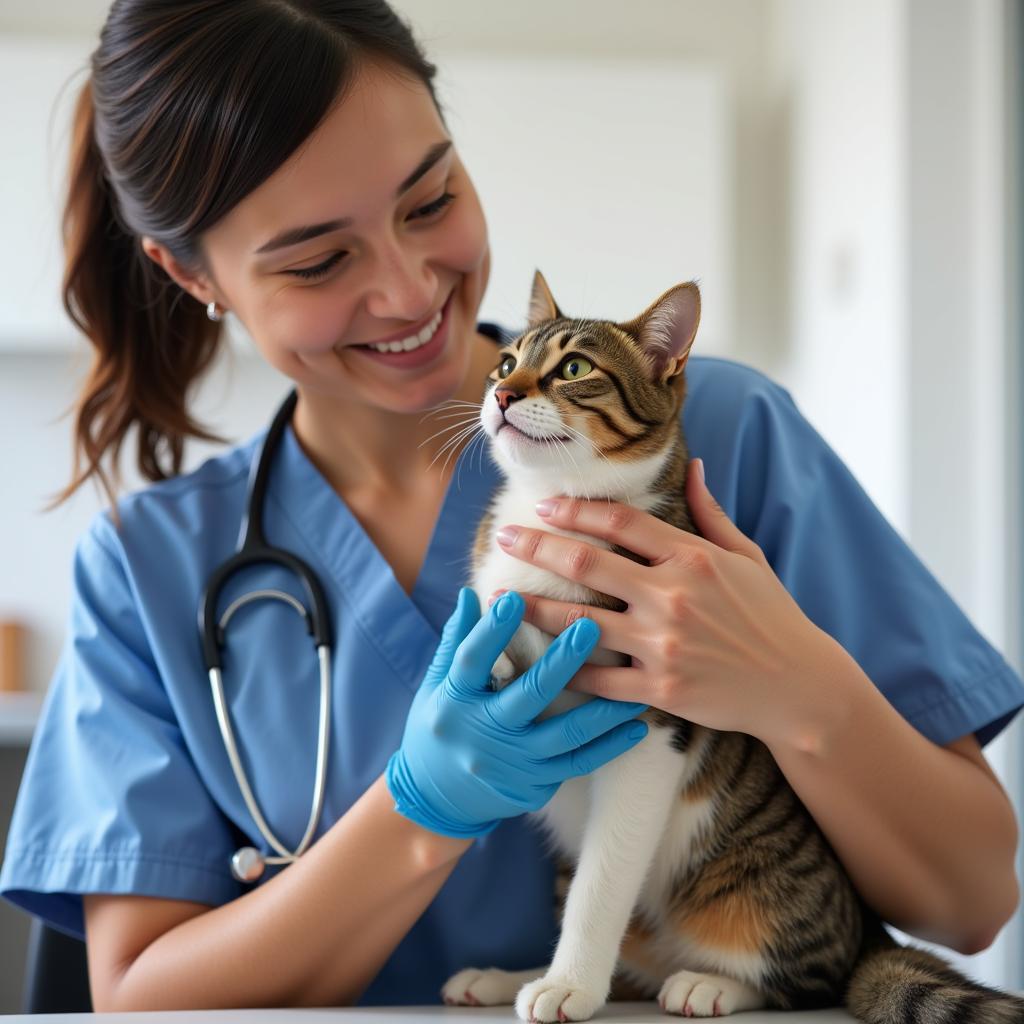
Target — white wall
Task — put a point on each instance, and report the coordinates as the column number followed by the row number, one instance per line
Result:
column 902, row 344
column 965, row 466
column 847, row 357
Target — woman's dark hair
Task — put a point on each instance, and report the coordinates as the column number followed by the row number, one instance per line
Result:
column 191, row 105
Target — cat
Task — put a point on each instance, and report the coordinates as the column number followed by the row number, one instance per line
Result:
column 689, row 870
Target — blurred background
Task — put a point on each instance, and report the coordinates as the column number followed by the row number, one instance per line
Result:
column 843, row 179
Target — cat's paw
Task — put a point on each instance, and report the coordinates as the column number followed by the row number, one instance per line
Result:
column 552, row 998
column 689, row 994
column 503, row 673
column 477, row 986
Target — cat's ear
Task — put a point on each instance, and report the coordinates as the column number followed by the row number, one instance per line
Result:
column 666, row 329
column 542, row 303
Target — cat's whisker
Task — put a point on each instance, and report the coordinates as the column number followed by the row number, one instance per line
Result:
column 458, row 412
column 480, row 460
column 466, row 429
column 598, row 451
column 452, row 451
column 447, row 460
column 588, row 441
column 565, row 447
column 451, row 426
column 452, row 442
column 479, row 437
column 452, row 406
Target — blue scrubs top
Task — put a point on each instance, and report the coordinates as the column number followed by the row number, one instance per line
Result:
column 128, row 789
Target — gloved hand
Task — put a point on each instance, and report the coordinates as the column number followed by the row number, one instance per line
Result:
column 470, row 757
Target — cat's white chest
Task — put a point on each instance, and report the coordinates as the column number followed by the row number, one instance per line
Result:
column 565, row 817
column 501, row 571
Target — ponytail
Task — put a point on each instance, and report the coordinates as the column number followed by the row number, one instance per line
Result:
column 150, row 339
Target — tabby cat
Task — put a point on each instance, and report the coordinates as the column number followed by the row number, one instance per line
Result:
column 700, row 879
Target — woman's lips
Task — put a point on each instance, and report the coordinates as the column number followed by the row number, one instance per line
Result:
column 418, row 356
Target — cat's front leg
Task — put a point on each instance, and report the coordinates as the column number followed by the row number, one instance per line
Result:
column 489, row 986
column 631, row 799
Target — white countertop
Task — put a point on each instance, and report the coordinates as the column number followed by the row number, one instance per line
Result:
column 627, row 1013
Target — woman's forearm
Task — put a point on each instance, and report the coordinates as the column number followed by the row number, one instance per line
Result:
column 927, row 836
column 314, row 935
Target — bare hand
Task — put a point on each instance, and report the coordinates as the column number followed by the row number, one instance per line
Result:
column 713, row 635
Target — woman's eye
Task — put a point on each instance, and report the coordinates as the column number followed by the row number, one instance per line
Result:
column 576, row 367
column 506, row 366
column 319, row 270
column 436, row 206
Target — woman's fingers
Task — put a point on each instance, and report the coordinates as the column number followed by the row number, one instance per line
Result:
column 617, row 683
column 553, row 617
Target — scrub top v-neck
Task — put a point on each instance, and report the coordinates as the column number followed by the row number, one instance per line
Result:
column 127, row 788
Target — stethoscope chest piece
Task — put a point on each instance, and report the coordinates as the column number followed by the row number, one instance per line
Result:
column 247, row 864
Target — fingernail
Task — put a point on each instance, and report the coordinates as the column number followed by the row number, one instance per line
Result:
column 506, row 536
column 583, row 635
column 545, row 507
column 505, row 607
column 637, row 732
column 494, row 597
column 699, row 466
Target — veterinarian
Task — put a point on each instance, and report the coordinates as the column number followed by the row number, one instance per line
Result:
column 287, row 161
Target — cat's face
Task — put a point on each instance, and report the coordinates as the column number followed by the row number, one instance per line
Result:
column 588, row 400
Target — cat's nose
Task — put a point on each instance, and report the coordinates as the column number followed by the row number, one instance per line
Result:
column 506, row 396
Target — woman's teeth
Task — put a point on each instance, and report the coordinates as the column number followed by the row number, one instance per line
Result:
column 416, row 341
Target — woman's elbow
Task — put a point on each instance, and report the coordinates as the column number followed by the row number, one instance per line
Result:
column 987, row 933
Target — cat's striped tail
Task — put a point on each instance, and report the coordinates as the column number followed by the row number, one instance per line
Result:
column 903, row 985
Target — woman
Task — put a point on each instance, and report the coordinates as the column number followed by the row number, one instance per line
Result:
column 208, row 132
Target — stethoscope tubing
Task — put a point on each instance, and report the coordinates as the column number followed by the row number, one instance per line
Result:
column 247, row 863
column 285, row 856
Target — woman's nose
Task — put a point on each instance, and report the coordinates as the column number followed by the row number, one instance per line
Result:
column 402, row 285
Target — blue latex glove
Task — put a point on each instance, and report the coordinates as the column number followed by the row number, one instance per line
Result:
column 470, row 757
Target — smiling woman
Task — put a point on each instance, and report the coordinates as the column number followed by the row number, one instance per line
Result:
column 322, row 248
column 408, row 253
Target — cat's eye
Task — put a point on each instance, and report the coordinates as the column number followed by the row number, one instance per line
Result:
column 576, row 367
column 507, row 365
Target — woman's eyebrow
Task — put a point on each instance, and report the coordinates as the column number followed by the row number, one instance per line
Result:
column 292, row 236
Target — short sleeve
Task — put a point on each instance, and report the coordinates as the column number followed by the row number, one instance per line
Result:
column 850, row 571
column 110, row 800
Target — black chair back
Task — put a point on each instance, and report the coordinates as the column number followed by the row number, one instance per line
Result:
column 56, row 972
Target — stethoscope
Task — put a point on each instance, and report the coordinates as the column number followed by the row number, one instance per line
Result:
column 248, row 863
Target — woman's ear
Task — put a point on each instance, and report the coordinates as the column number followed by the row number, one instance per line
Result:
column 197, row 284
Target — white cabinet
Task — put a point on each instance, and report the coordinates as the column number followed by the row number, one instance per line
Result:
column 612, row 176
column 39, row 82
